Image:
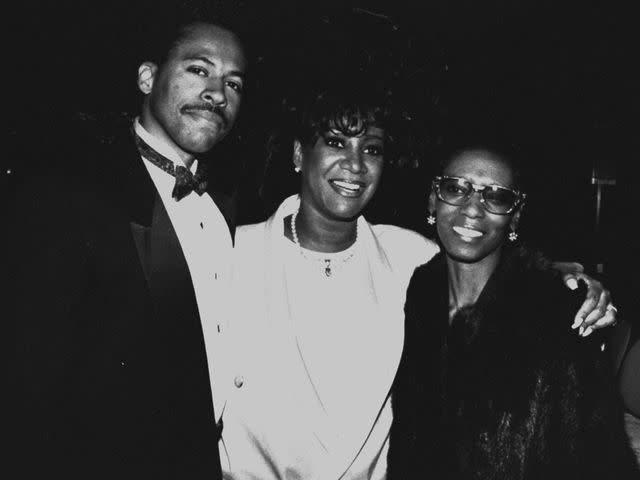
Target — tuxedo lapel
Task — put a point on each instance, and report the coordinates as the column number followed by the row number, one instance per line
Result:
column 164, row 265
column 156, row 242
column 159, row 251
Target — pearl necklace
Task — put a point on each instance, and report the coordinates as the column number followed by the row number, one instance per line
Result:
column 328, row 268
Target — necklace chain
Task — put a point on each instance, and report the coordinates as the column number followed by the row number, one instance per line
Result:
column 328, row 267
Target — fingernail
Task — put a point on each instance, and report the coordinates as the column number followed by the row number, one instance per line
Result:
column 587, row 331
column 576, row 323
column 581, row 330
column 572, row 283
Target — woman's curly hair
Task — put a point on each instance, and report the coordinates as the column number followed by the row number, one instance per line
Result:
column 348, row 104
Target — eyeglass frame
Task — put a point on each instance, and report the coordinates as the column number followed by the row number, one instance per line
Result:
column 520, row 196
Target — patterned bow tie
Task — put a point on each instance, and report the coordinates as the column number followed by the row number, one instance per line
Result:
column 186, row 182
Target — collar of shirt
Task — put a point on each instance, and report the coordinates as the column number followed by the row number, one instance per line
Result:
column 161, row 146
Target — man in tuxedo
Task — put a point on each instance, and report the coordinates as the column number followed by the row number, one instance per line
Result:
column 119, row 270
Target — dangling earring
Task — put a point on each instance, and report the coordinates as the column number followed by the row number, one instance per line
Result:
column 297, row 169
column 513, row 236
column 431, row 219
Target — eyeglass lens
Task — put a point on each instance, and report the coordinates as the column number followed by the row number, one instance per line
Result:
column 455, row 191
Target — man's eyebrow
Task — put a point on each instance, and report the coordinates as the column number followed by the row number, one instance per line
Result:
column 204, row 59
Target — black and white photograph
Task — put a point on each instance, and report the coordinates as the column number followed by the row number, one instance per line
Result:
column 320, row 240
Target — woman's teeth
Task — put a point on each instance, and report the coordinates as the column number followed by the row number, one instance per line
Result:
column 353, row 187
column 467, row 232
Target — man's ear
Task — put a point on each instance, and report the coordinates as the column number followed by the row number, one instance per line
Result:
column 297, row 155
column 146, row 75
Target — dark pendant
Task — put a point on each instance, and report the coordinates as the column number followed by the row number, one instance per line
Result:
column 327, row 268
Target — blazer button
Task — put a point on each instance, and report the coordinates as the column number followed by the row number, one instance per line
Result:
column 238, row 381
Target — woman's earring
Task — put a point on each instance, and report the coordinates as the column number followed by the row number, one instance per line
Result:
column 431, row 219
column 513, row 236
column 297, row 169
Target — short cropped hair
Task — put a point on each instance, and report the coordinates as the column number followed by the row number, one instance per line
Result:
column 166, row 26
column 501, row 145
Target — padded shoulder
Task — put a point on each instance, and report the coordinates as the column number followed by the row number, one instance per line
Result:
column 405, row 249
column 405, row 245
column 246, row 234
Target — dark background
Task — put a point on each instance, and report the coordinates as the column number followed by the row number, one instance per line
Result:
column 555, row 75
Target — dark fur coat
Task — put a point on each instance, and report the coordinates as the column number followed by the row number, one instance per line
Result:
column 509, row 391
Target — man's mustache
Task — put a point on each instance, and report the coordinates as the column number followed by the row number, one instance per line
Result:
column 207, row 107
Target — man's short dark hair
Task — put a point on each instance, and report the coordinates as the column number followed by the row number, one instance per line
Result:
column 166, row 26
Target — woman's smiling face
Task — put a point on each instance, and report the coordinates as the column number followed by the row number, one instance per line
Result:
column 340, row 173
column 468, row 232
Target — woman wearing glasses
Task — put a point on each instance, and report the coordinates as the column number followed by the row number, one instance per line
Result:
column 492, row 383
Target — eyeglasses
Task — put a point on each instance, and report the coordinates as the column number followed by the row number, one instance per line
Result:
column 494, row 198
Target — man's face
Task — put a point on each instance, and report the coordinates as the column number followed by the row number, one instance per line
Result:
column 192, row 99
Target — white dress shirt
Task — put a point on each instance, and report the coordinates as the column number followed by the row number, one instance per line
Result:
column 207, row 247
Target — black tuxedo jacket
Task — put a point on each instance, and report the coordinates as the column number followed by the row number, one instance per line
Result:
column 111, row 376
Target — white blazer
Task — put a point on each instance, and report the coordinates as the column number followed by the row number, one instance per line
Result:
column 274, row 424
